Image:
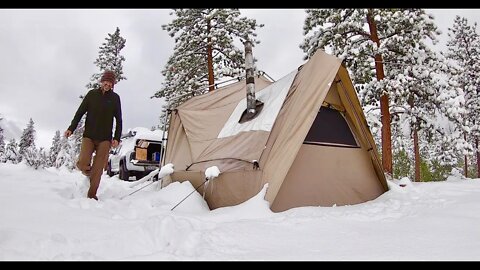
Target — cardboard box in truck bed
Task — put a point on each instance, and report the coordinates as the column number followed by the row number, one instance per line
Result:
column 140, row 153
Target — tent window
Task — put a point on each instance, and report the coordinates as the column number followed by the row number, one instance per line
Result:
column 330, row 128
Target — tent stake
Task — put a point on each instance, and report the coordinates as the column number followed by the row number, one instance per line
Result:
column 206, row 180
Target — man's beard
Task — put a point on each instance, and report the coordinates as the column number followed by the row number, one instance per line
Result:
column 106, row 88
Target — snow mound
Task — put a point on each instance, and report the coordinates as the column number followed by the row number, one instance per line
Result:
column 254, row 208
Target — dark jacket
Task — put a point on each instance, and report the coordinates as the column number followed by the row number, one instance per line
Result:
column 101, row 109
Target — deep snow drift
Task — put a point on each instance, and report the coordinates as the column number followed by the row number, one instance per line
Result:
column 45, row 216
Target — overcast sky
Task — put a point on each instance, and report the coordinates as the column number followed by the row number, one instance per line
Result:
column 47, row 58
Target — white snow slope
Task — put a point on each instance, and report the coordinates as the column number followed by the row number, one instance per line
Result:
column 45, row 216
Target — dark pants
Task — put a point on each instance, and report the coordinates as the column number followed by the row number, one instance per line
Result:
column 95, row 170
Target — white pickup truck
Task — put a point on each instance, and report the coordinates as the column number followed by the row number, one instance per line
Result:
column 137, row 155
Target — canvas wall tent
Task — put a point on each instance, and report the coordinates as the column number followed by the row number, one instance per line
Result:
column 311, row 141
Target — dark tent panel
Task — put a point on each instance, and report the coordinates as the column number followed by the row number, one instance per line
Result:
column 330, row 128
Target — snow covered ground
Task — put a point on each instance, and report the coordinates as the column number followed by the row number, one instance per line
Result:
column 44, row 215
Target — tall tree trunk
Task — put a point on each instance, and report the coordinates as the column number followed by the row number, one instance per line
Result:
column 478, row 157
column 465, row 166
column 416, row 149
column 385, row 113
column 210, row 59
column 417, row 155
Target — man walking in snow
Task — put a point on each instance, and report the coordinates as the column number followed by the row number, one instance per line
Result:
column 101, row 106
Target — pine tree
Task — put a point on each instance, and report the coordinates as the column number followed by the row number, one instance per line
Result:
column 34, row 158
column 42, row 158
column 447, row 143
column 27, row 139
column 11, row 151
column 444, row 145
column 109, row 58
column 70, row 148
column 163, row 119
column 3, row 158
column 463, row 48
column 417, row 102
column 65, row 157
column 390, row 36
column 54, row 149
column 204, row 50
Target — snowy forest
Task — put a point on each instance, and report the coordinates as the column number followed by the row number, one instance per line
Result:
column 422, row 105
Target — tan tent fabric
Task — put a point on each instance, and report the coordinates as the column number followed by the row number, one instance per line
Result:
column 230, row 188
column 327, row 176
column 177, row 150
column 201, row 118
column 297, row 174
column 347, row 91
column 332, row 99
column 310, row 88
column 245, row 146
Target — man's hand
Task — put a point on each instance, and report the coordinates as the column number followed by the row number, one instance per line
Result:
column 114, row 143
column 67, row 133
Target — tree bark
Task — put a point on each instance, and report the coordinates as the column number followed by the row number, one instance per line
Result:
column 211, row 80
column 384, row 103
column 465, row 166
column 417, row 155
column 416, row 149
column 478, row 157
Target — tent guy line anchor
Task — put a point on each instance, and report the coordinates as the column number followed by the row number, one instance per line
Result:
column 210, row 174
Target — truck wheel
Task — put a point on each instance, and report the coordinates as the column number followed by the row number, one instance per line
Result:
column 139, row 175
column 109, row 169
column 124, row 173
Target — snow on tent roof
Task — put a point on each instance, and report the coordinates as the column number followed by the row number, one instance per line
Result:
column 272, row 96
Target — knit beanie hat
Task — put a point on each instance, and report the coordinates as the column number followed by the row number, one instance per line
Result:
column 108, row 76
